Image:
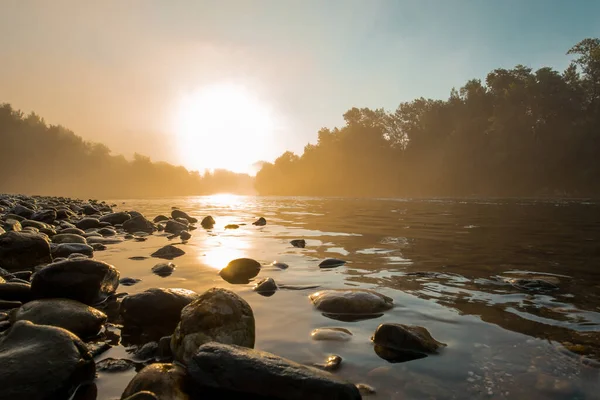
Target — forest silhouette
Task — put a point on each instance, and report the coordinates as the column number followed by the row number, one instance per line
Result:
column 521, row 133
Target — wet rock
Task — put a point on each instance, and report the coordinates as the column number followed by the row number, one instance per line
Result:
column 90, row 210
column 164, row 348
column 139, row 224
column 98, row 246
column 74, row 231
column 11, row 225
column 208, row 222
column 103, row 240
column 406, row 338
column 232, row 226
column 143, row 395
column 160, row 218
column 147, row 351
column 185, row 235
column 22, row 211
column 240, row 270
column 114, row 365
column 301, row 243
column 23, row 250
column 64, row 214
column 87, row 223
column 175, row 227
column 129, row 281
column 85, row 280
column 217, row 315
column 116, row 218
column 155, row 311
column 138, row 258
column 68, row 238
column 175, row 214
column 538, row 283
column 27, row 223
column 258, row 373
column 45, row 363
column 260, row 222
column 76, row 317
column 336, row 334
column 46, row 216
column 279, row 265
column 332, row 363
column 13, row 291
column 107, row 232
column 168, row 252
column 351, row 302
column 166, row 381
column 331, row 263
column 163, row 269
column 67, row 249
column 265, row 286
column 365, row 389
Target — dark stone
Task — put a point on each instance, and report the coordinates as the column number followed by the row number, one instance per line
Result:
column 11, row 225
column 175, row 227
column 147, row 351
column 240, row 270
column 254, row 372
column 163, row 269
column 180, row 214
column 260, row 222
column 114, row 365
column 87, row 223
column 66, row 249
column 232, row 226
column 68, row 238
column 22, row 211
column 168, row 252
column 76, row 317
column 541, row 284
column 160, row 218
column 185, row 235
column 25, row 275
column 208, row 222
column 82, row 279
column 266, row 286
column 45, row 363
column 155, row 311
column 15, row 292
column 332, row 363
column 129, row 281
column 107, row 232
column 166, row 381
column 217, row 315
column 406, row 338
column 4, row 274
column 23, row 250
column 139, row 224
column 143, row 395
column 89, row 210
column 298, row 243
column 98, row 246
column 64, row 214
column 116, row 218
column 47, row 216
column 9, row 305
column 74, row 231
column 331, row 263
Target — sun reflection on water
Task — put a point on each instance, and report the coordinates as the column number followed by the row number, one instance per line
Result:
column 224, row 249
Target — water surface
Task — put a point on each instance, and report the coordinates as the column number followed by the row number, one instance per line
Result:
column 446, row 263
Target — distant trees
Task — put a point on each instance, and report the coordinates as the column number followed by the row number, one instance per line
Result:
column 36, row 158
column 520, row 133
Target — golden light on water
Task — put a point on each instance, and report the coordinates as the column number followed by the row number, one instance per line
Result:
column 223, row 126
column 223, row 249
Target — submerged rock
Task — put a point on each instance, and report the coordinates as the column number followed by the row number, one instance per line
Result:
column 260, row 222
column 279, row 265
column 82, row 279
column 350, row 303
column 240, row 270
column 23, row 250
column 76, row 317
column 166, row 381
column 337, row 334
column 232, row 226
column 163, row 269
column 332, row 363
column 298, row 243
column 406, row 338
column 168, row 252
column 42, row 362
column 129, row 281
column 155, row 311
column 114, row 365
column 251, row 372
column 536, row 283
column 208, row 222
column 331, row 263
column 217, row 315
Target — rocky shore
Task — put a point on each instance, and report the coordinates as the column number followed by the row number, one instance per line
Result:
column 60, row 309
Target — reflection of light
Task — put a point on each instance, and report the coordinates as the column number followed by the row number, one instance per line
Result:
column 223, row 199
column 224, row 250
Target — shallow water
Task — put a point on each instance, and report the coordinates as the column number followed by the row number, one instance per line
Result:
column 503, row 341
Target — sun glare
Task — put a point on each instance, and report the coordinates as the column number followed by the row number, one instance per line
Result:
column 223, row 126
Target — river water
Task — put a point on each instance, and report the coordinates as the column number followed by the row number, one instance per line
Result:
column 449, row 265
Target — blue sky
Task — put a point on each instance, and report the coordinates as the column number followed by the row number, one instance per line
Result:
column 113, row 70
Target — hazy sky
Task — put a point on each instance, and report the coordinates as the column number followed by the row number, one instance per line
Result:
column 116, row 71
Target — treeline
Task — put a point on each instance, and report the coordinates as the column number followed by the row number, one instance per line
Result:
column 36, row 158
column 519, row 133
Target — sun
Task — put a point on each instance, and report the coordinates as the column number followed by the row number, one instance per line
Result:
column 223, row 126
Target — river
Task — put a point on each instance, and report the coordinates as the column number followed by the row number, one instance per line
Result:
column 449, row 264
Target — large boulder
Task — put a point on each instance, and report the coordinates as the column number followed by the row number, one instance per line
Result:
column 406, row 338
column 23, row 250
column 247, row 372
column 139, row 224
column 181, row 214
column 42, row 362
column 175, row 227
column 154, row 312
column 116, row 218
column 240, row 270
column 217, row 315
column 351, row 303
column 76, row 317
column 166, row 381
column 66, row 249
column 82, row 279
column 68, row 238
